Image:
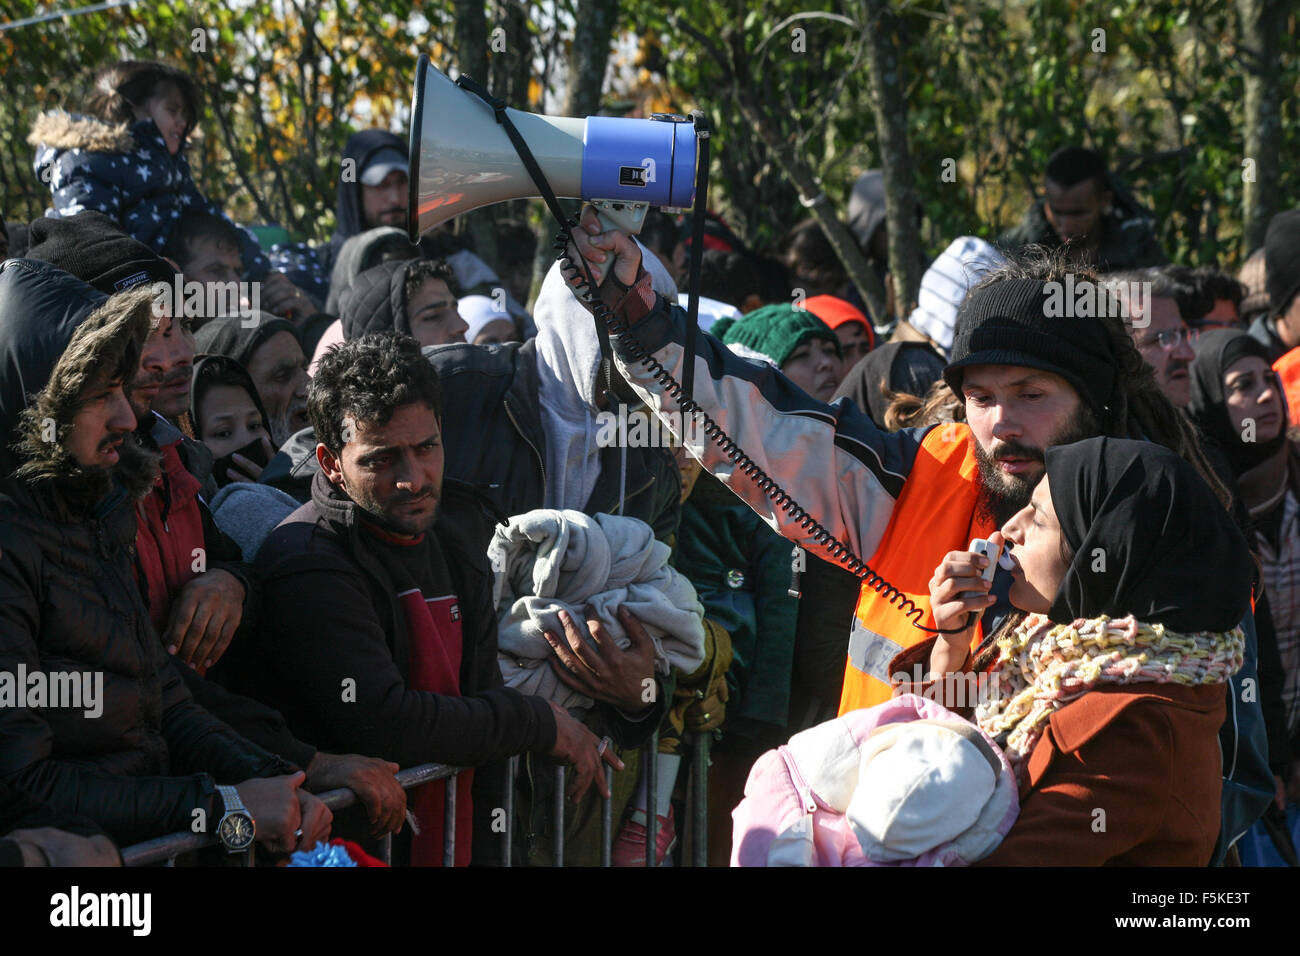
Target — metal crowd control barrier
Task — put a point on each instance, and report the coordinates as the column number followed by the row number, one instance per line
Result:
column 166, row 849
column 697, row 807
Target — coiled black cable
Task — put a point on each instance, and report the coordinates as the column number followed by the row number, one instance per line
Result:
column 841, row 552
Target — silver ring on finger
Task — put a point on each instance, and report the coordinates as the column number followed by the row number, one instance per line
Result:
column 298, row 833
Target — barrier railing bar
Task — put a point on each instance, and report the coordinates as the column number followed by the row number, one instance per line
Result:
column 449, row 822
column 650, row 759
column 607, row 819
column 512, row 770
column 558, row 851
column 700, row 800
column 164, row 848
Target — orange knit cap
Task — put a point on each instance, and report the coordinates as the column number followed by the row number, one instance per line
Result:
column 835, row 311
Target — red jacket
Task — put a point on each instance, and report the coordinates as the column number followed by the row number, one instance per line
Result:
column 169, row 541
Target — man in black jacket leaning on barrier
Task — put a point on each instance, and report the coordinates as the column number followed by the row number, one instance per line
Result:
column 134, row 753
column 378, row 634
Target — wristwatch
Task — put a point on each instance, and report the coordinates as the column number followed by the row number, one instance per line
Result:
column 236, row 829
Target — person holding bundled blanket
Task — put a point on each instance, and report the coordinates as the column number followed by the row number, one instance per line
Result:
column 551, row 562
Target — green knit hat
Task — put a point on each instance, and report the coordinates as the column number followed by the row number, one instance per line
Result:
column 776, row 331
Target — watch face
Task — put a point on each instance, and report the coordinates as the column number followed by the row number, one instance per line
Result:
column 236, row 831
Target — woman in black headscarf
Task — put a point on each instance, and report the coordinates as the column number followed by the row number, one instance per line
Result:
column 268, row 347
column 227, row 415
column 1238, row 403
column 1109, row 693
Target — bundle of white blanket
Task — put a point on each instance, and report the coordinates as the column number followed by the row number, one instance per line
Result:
column 547, row 561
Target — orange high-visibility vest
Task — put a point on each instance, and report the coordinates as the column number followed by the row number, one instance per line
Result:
column 1288, row 369
column 935, row 514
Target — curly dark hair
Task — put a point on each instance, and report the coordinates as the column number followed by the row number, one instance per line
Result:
column 419, row 270
column 367, row 380
column 121, row 87
column 811, row 259
column 1203, row 287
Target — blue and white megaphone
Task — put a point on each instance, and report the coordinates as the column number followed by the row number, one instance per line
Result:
column 461, row 158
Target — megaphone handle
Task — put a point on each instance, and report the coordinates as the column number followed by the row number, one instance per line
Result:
column 619, row 214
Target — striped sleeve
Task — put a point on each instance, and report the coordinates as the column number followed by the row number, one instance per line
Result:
column 831, row 459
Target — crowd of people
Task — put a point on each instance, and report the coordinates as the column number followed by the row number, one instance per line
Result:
column 361, row 513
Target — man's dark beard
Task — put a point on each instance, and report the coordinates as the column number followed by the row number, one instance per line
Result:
column 1001, row 495
column 380, row 514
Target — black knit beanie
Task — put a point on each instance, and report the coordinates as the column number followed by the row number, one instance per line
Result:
column 1005, row 323
column 91, row 247
column 1282, row 259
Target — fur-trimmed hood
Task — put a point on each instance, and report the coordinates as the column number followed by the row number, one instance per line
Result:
column 53, row 339
column 58, row 129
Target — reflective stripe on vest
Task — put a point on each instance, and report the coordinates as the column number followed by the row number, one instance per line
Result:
column 935, row 514
column 1288, row 370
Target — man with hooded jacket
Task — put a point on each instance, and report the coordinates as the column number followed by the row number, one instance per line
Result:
column 144, row 759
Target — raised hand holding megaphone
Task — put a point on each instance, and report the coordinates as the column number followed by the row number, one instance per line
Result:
column 602, row 249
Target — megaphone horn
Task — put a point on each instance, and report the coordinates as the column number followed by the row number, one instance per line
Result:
column 462, row 159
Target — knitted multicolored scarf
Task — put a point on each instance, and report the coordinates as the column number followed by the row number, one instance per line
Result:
column 1042, row 666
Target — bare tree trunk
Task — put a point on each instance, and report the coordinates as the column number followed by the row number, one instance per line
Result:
column 472, row 58
column 745, row 91
column 593, row 31
column 511, row 71
column 799, row 173
column 1261, row 24
column 895, row 159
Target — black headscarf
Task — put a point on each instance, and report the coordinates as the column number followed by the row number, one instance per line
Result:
column 1163, row 547
column 205, row 371
column 222, row 370
column 228, row 336
column 1216, row 351
column 910, row 367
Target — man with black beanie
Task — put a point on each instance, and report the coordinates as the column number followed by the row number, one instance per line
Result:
column 1279, row 328
column 1031, row 378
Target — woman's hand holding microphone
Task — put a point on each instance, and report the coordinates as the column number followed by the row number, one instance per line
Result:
column 957, row 590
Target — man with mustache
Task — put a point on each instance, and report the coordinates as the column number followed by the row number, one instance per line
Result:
column 1156, row 323
column 906, row 501
column 378, row 632
column 71, row 472
column 197, row 588
column 194, row 582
